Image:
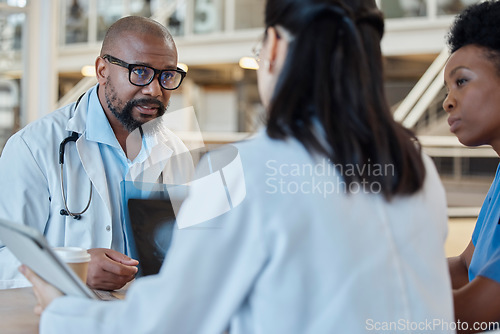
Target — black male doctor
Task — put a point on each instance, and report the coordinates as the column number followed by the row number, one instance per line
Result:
column 136, row 72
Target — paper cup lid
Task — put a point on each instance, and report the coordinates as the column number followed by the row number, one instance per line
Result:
column 72, row 254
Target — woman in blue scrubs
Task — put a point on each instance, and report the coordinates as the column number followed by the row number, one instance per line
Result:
column 472, row 79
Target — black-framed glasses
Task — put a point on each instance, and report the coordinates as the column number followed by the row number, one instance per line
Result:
column 142, row 75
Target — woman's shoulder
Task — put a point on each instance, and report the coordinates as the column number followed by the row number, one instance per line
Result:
column 261, row 147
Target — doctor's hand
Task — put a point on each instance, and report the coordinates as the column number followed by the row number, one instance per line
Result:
column 109, row 269
column 45, row 293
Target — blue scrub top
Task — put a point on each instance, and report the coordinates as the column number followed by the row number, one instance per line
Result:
column 486, row 237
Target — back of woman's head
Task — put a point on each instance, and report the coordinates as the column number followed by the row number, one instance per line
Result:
column 330, row 93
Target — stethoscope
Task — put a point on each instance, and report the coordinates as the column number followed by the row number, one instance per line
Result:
column 74, row 137
column 66, row 211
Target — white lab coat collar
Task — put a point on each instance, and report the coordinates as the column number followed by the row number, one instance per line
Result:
column 78, row 121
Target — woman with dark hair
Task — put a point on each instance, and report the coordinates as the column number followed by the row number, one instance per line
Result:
column 324, row 232
column 337, row 96
column 472, row 78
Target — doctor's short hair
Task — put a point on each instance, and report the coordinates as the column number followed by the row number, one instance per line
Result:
column 478, row 24
column 136, row 24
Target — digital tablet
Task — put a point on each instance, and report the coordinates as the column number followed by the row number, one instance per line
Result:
column 31, row 248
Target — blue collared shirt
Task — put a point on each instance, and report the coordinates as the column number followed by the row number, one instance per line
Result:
column 115, row 162
column 116, row 165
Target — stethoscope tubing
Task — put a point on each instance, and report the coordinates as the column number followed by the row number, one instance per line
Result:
column 66, row 211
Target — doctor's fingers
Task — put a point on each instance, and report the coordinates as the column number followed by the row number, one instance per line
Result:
column 117, row 268
column 120, row 257
column 109, row 274
column 104, row 280
column 111, row 261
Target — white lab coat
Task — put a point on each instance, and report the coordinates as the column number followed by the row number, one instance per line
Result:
column 30, row 185
column 292, row 261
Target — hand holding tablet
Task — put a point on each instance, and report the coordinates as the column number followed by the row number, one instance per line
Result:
column 32, row 249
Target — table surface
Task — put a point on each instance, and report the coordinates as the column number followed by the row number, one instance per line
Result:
column 16, row 311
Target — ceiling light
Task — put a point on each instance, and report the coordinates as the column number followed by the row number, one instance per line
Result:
column 248, row 63
column 183, row 66
column 88, row 71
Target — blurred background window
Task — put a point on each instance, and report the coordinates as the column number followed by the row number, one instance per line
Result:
column 15, row 3
column 141, row 8
column 208, row 16
column 249, row 14
column 403, row 8
column 108, row 12
column 11, row 43
column 77, row 23
column 176, row 21
column 452, row 7
column 11, row 28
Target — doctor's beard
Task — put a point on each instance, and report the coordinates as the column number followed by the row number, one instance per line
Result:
column 125, row 115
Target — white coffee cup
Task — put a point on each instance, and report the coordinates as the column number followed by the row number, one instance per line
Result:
column 76, row 258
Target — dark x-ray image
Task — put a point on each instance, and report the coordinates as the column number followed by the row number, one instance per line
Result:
column 152, row 222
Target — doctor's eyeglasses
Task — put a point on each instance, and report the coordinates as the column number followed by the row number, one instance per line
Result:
column 142, row 75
